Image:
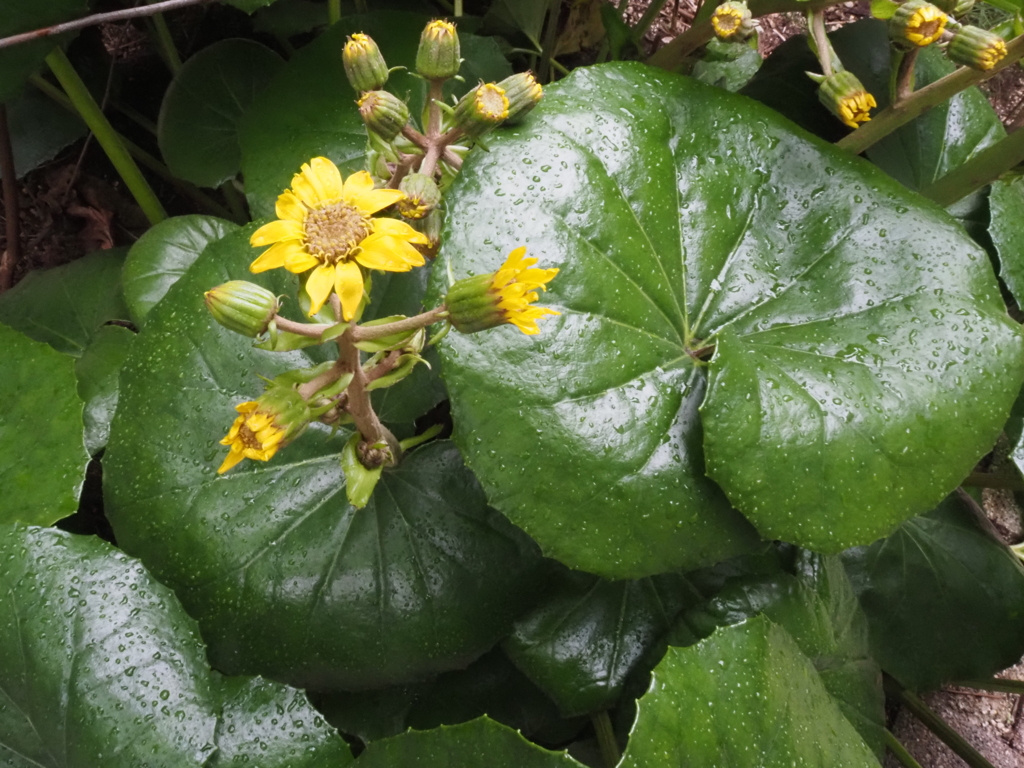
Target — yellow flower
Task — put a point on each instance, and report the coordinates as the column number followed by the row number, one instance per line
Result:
column 327, row 225
column 254, row 435
column 726, row 21
column 856, row 108
column 925, row 25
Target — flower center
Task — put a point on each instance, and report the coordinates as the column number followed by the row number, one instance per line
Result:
column 334, row 231
column 248, row 438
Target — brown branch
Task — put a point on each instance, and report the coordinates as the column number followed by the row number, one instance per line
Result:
column 98, row 18
column 369, row 332
column 905, row 76
column 300, row 329
column 10, row 257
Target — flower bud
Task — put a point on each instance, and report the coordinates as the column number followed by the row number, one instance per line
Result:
column 364, row 65
column 421, row 196
column 733, row 21
column 384, row 113
column 976, row 48
column 438, row 55
column 265, row 425
column 962, row 8
column 481, row 109
column 917, row 23
column 498, row 298
column 523, row 93
column 242, row 307
column 844, row 96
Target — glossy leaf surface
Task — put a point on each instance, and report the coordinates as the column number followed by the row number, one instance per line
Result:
column 309, row 109
column 97, row 371
column 583, row 640
column 1006, row 208
column 746, row 696
column 42, row 458
column 481, row 743
column 285, row 578
column 66, row 306
column 858, row 333
column 162, row 255
column 198, row 132
column 943, row 599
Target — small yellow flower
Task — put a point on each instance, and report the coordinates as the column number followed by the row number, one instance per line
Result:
column 845, row 97
column 925, row 25
column 856, row 108
column 727, row 21
column 327, row 225
column 254, row 435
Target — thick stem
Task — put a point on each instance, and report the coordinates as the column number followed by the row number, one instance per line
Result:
column 325, row 379
column 300, row 329
column 903, row 83
column 429, row 164
column 98, row 18
column 12, row 254
column 899, row 751
column 370, row 332
column 402, row 170
column 451, row 158
column 606, row 738
column 923, row 99
column 415, row 137
column 333, row 11
column 435, row 95
column 105, row 134
column 359, row 406
column 982, row 169
column 816, row 26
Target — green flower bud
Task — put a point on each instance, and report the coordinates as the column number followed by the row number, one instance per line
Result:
column 438, row 55
column 242, row 307
column 733, row 21
column 844, row 96
column 916, row 24
column 523, row 93
column 962, row 8
column 481, row 109
column 364, row 65
column 384, row 113
column 976, row 48
column 421, row 196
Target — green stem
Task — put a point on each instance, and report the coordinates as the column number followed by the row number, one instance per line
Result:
column 822, row 47
column 606, row 738
column 105, row 134
column 1007, row 481
column 899, row 751
column 550, row 38
column 458, row 9
column 996, row 685
column 982, row 169
column 333, row 11
column 411, row 442
column 939, row 727
column 648, row 18
column 370, row 332
column 166, row 43
column 920, row 101
column 895, row 61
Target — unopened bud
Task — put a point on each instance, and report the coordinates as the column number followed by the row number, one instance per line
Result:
column 845, row 97
column 917, row 23
column 421, row 196
column 481, row 109
column 364, row 65
column 242, row 307
column 976, row 48
column 733, row 21
column 384, row 113
column 523, row 93
column 438, row 56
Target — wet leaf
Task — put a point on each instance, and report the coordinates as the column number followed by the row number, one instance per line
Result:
column 858, row 333
column 97, row 371
column 42, row 458
column 1006, row 206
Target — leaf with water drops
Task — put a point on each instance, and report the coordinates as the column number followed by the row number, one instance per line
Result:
column 42, row 457
column 97, row 371
column 745, row 697
column 861, row 359
column 943, row 598
column 1006, row 207
column 286, row 579
column 480, row 743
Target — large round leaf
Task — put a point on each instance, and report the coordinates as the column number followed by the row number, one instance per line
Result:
column 42, row 456
column 1006, row 205
column 285, row 577
column 97, row 371
column 863, row 359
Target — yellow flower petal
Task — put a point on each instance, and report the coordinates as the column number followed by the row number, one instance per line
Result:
column 389, row 254
column 305, row 191
column 289, row 207
column 275, row 232
column 277, row 256
column 300, row 261
column 327, row 176
column 396, row 228
column 357, row 184
column 230, row 460
column 349, row 287
column 359, row 192
column 319, row 286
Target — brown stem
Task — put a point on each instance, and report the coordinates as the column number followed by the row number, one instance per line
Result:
column 905, row 76
column 369, row 332
column 429, row 164
column 10, row 257
column 415, row 137
column 384, row 366
column 359, row 406
column 452, row 159
column 325, row 379
column 313, row 331
column 98, row 18
column 402, row 169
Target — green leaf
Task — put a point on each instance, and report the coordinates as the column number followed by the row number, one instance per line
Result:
column 727, row 65
column 309, row 109
column 20, row 61
column 526, row 16
column 162, row 255
column 943, row 599
column 746, row 696
column 1006, row 228
column 97, row 371
column 42, row 458
column 836, row 404
column 588, row 634
column 40, row 128
column 99, row 665
column 817, row 606
column 198, row 129
column 481, row 743
column 249, row 6
column 283, row 575
column 66, row 306
column 288, row 18
column 883, row 9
